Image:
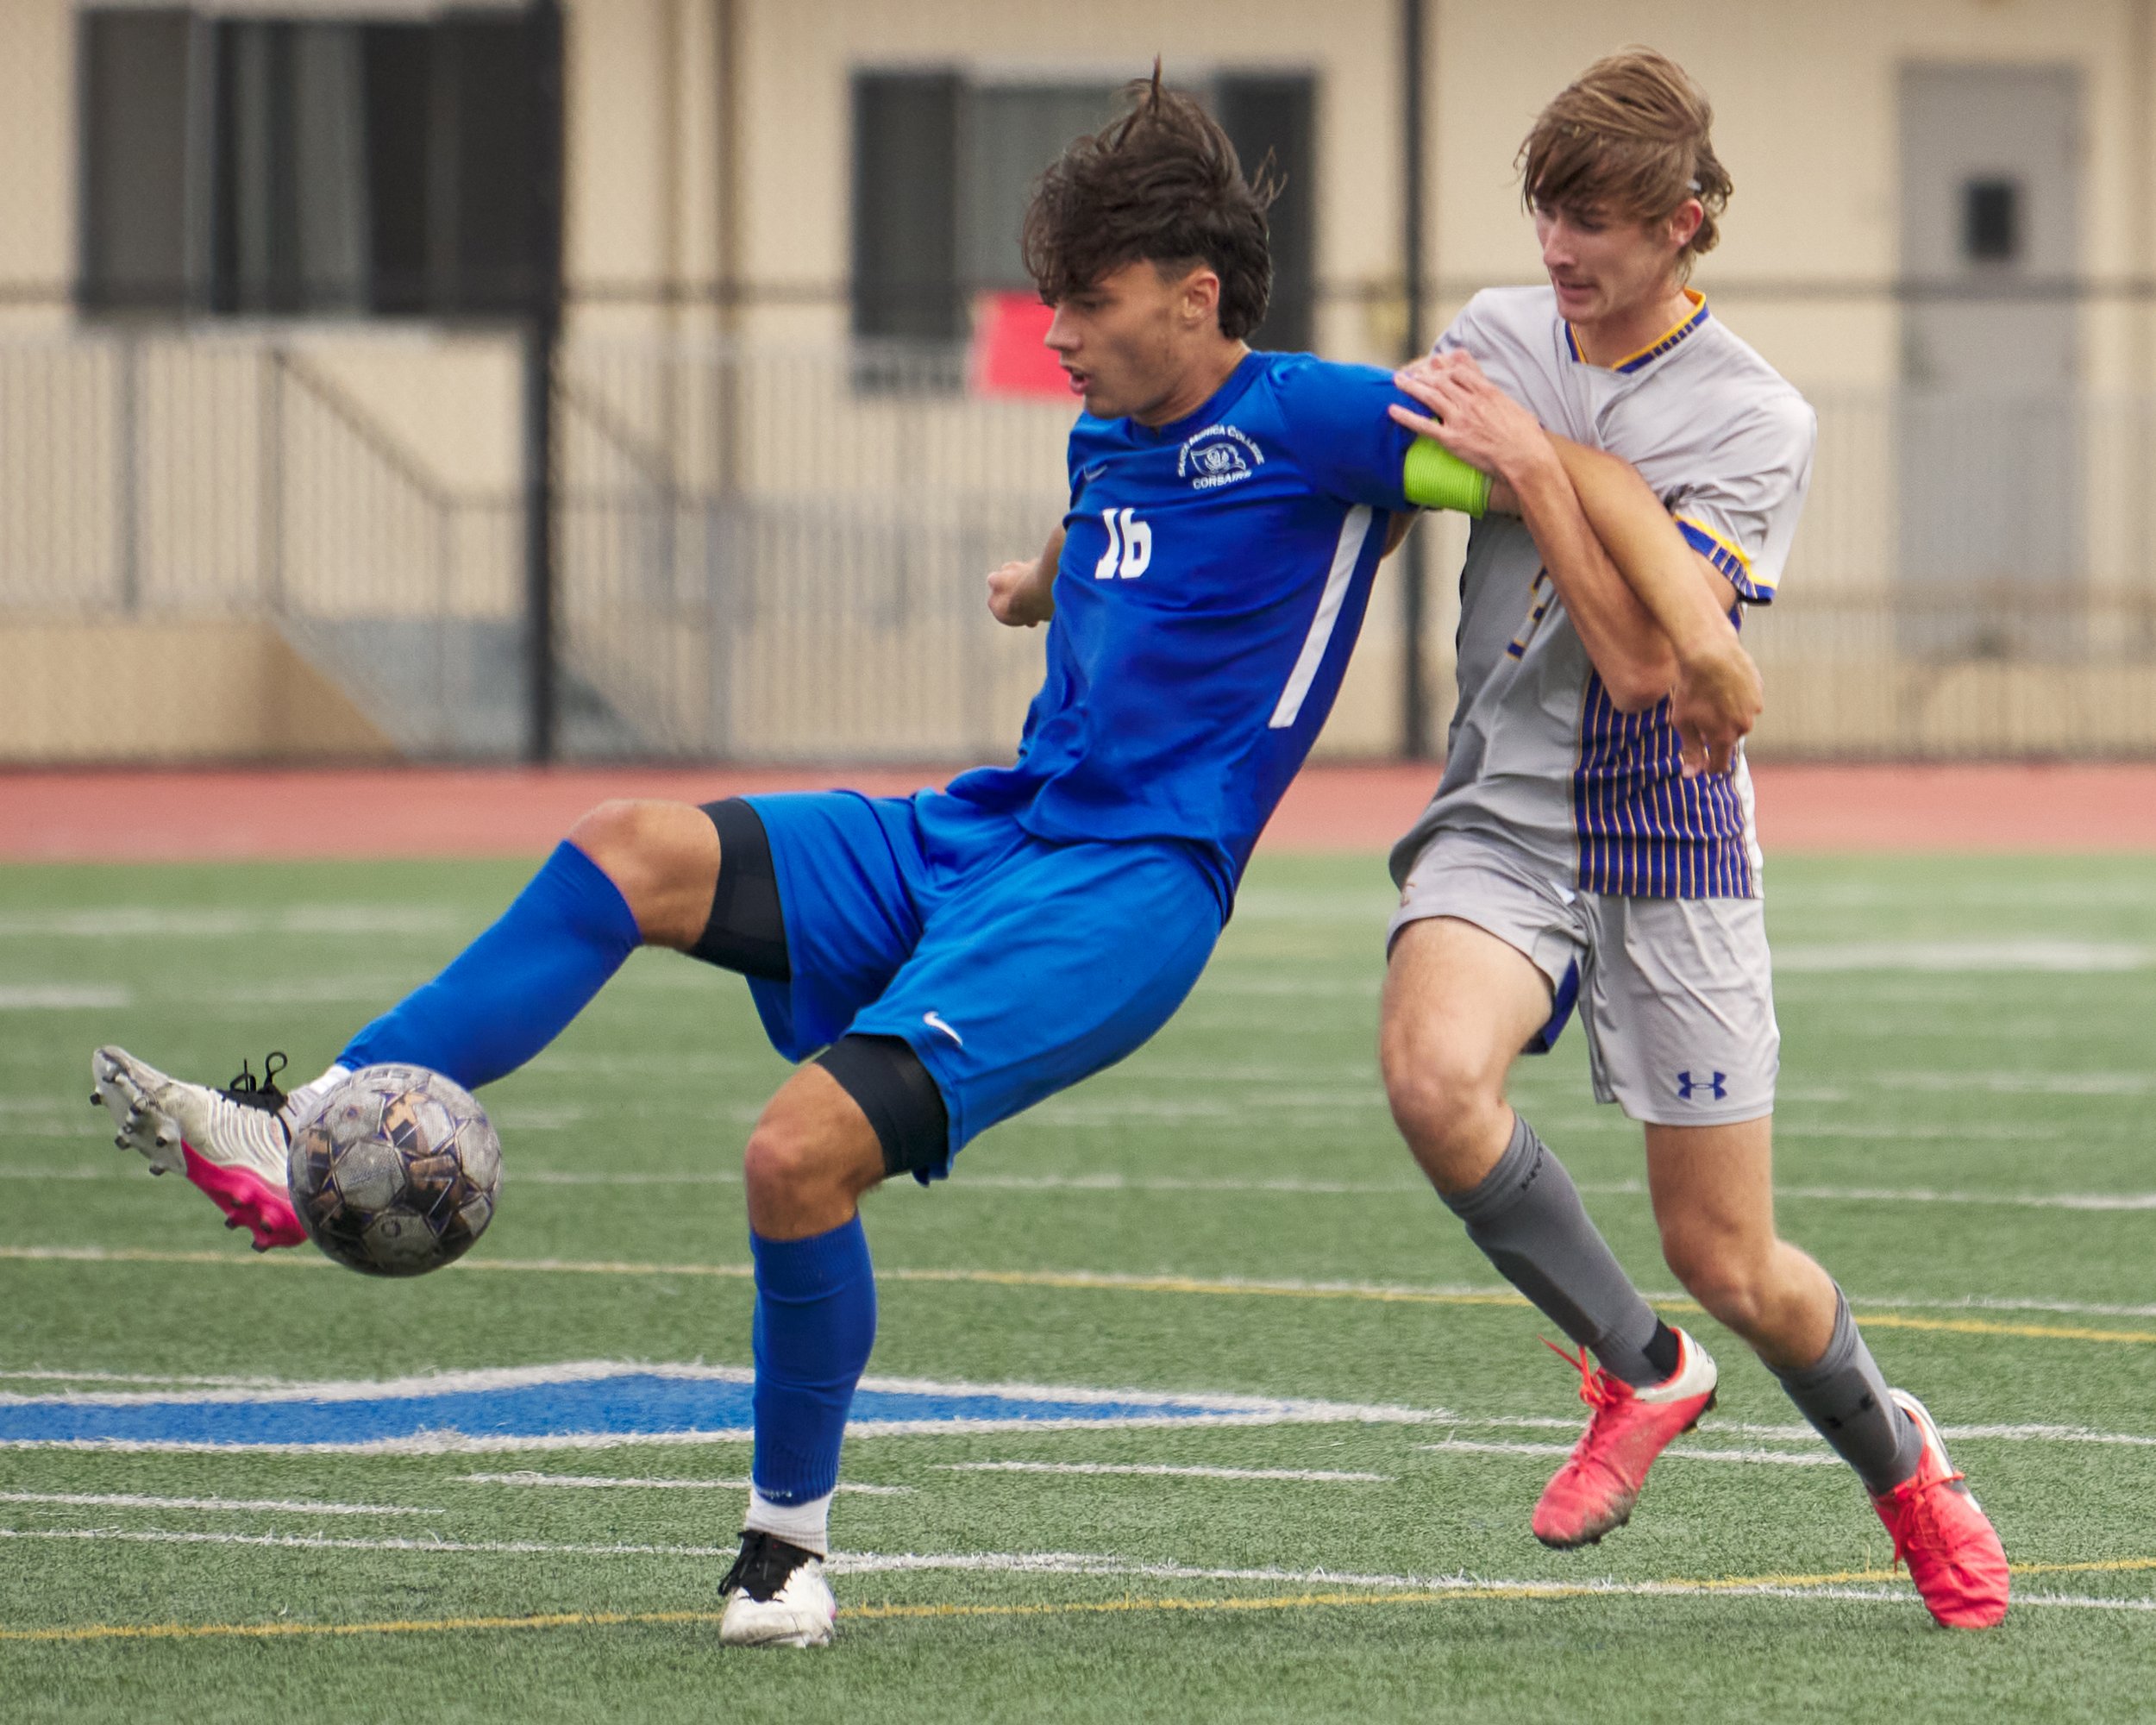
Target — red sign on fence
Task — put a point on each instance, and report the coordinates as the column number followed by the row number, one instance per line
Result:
column 1007, row 357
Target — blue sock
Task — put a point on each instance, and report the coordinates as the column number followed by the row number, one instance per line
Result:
column 515, row 989
column 816, row 1320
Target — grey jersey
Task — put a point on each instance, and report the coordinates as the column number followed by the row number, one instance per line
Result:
column 1538, row 758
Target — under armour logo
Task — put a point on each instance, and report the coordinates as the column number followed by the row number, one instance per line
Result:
column 1716, row 1085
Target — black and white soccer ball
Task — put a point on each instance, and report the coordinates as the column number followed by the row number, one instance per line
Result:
column 397, row 1172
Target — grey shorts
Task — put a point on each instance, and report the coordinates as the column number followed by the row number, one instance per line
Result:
column 1676, row 995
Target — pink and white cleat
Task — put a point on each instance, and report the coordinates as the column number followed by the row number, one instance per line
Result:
column 1593, row 1492
column 1942, row 1533
column 233, row 1143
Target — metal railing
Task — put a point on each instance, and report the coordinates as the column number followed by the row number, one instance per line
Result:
column 773, row 553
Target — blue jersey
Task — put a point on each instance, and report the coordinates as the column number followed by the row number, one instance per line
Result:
column 1214, row 576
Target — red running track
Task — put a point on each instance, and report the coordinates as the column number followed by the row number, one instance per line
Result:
column 135, row 816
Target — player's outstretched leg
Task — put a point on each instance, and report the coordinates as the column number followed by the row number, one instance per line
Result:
column 812, row 1156
column 1460, row 1004
column 1714, row 1198
column 628, row 873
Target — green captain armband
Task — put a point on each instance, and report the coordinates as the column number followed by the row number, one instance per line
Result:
column 1435, row 478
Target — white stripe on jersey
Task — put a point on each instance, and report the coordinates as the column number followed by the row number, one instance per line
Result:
column 1345, row 555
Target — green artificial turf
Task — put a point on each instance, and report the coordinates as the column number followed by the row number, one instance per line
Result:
column 1958, row 1033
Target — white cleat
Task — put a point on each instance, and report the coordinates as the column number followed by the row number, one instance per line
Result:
column 776, row 1596
column 232, row 1143
column 128, row 1090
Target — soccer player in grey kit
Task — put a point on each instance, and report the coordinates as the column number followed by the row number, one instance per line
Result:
column 1570, row 860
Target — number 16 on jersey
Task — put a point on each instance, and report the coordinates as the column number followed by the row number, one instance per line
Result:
column 1130, row 552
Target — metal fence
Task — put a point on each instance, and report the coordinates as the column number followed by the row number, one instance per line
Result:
column 773, row 553
column 766, row 555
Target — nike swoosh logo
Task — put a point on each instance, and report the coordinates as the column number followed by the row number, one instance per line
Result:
column 934, row 1022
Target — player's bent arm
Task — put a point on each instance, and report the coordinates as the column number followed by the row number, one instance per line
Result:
column 1630, row 653
column 1718, row 696
column 1684, row 593
column 1628, row 649
column 1022, row 594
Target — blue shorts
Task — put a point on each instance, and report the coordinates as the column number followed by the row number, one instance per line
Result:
column 1012, row 966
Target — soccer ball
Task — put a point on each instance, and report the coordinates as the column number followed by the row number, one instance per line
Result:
column 395, row 1174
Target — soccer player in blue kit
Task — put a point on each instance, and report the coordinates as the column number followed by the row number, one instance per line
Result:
column 958, row 954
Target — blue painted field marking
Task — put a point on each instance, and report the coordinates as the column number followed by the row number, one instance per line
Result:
column 592, row 1405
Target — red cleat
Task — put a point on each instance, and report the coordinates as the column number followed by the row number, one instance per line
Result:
column 1593, row 1492
column 1941, row 1532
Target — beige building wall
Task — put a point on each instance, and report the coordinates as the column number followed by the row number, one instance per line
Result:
column 170, row 692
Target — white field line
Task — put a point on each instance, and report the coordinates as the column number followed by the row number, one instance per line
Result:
column 1110, row 1184
column 323, row 1542
column 55, row 997
column 1690, row 1452
column 1231, row 1410
column 1081, row 1183
column 1410, row 1292
column 1292, row 904
column 128, row 1500
column 457, row 1444
column 1111, row 1112
column 72, row 1175
column 1982, row 1302
column 1919, row 1195
column 1801, row 958
column 189, row 1382
column 850, row 1563
column 1088, row 1564
column 56, row 1127
column 697, row 1062
column 2022, row 1433
column 140, row 922
column 1292, row 988
column 2008, row 1083
column 2085, row 1601
column 2022, row 1201
column 1983, row 1131
column 336, row 989
column 2066, row 957
column 1175, row 1403
column 1156, row 1470
column 247, row 1390
column 2056, row 894
column 594, row 1481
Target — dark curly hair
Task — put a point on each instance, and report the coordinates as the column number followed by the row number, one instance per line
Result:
column 1160, row 183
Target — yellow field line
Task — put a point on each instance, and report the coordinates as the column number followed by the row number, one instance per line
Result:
column 1282, row 1601
column 1076, row 1279
column 2097, row 1566
column 414, row 1626
column 1987, row 1326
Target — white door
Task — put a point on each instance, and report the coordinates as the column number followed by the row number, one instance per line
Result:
column 1991, row 514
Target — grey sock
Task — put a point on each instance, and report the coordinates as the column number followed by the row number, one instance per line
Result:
column 1843, row 1394
column 1527, row 1217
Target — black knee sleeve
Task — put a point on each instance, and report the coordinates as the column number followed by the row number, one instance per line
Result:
column 886, row 1077
column 746, row 932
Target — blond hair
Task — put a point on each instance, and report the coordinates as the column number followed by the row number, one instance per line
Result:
column 1628, row 138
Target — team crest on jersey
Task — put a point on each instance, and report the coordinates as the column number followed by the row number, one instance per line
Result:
column 1218, row 456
